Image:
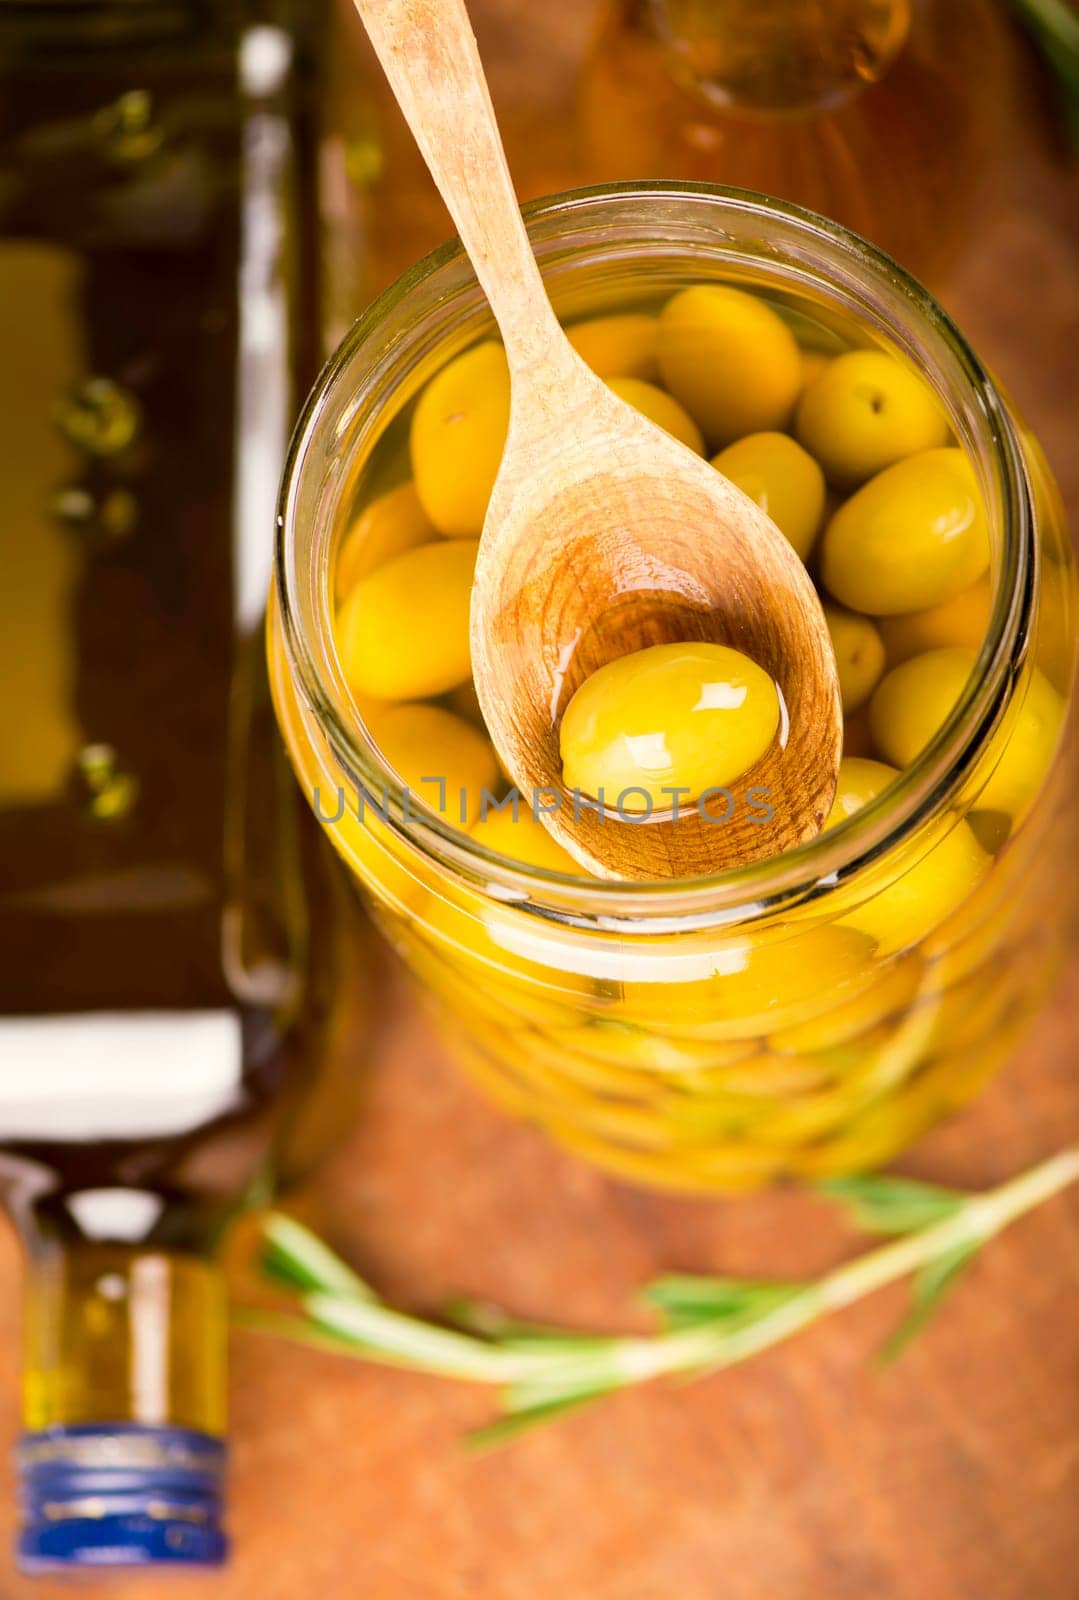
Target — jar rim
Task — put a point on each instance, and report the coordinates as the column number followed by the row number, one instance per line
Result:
column 794, row 876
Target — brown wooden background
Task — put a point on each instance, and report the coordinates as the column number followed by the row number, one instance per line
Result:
column 807, row 1475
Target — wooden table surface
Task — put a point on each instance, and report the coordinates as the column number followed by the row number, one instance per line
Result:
column 808, row 1474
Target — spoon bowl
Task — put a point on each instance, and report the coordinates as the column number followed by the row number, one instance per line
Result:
column 603, row 534
column 579, row 566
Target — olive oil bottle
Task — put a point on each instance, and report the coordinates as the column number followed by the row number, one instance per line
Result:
column 181, row 968
column 886, row 115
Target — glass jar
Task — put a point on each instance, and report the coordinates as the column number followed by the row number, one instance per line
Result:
column 806, row 1015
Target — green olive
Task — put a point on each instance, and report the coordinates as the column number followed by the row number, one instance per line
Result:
column 754, row 984
column 912, row 537
column 915, row 886
column 445, row 762
column 457, row 438
column 888, row 997
column 730, row 360
column 961, row 620
column 689, row 716
column 859, row 655
column 865, row 410
column 403, row 631
column 859, row 782
column 384, row 528
column 622, row 346
column 782, row 479
column 813, row 364
column 524, row 839
column 658, row 406
column 616, row 1043
column 490, row 961
column 915, row 699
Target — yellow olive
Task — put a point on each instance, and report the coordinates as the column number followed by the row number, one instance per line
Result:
column 363, row 842
column 658, row 407
column 961, row 620
column 730, row 360
column 1002, row 913
column 915, row 699
column 523, row 839
column 618, row 346
column 622, row 1044
column 445, row 762
column 920, row 886
column 507, row 962
column 892, row 991
column 756, row 984
column 865, row 410
column 555, row 1060
column 458, row 434
column 385, row 528
column 915, row 887
column 859, row 655
column 912, row 537
column 403, row 631
column 693, row 716
column 366, row 846
column 782, row 479
column 859, row 782
column 813, row 364
column 973, row 1011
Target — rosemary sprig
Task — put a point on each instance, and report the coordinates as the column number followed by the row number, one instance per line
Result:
column 707, row 1323
column 1054, row 27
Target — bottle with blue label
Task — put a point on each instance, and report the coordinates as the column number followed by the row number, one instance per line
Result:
column 182, row 992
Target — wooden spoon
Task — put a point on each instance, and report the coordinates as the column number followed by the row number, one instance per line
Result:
column 603, row 534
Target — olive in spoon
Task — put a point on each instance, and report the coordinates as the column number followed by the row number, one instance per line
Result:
column 604, row 535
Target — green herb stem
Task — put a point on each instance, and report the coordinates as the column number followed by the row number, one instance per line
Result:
column 544, row 1372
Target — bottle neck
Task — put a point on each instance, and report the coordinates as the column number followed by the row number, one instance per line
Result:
column 122, row 1460
column 119, row 1333
column 779, row 55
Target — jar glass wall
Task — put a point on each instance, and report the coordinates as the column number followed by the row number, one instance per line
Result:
column 809, row 1014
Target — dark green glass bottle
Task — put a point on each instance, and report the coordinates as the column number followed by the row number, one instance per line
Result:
column 180, row 964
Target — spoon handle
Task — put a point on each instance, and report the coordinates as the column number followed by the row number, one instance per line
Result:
column 428, row 52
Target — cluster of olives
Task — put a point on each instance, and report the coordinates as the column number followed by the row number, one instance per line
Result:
column 850, row 455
